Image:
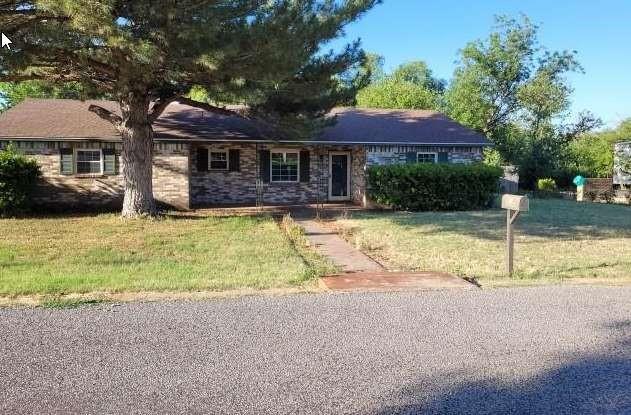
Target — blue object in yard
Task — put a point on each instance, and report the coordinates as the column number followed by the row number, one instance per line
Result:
column 580, row 181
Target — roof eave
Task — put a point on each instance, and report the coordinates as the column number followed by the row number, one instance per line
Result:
column 255, row 140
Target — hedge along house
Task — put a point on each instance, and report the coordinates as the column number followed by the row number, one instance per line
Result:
column 202, row 158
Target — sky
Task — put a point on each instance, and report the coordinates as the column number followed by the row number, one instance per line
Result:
column 434, row 31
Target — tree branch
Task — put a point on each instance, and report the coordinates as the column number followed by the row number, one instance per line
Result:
column 265, row 128
column 39, row 76
column 159, row 106
column 210, row 108
column 106, row 115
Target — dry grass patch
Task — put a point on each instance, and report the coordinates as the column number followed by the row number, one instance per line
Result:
column 81, row 254
column 557, row 240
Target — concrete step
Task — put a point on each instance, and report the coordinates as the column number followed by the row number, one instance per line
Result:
column 394, row 281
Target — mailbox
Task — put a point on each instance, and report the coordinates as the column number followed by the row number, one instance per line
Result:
column 515, row 203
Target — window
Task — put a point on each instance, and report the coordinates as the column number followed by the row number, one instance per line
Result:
column 284, row 166
column 218, row 160
column 426, row 158
column 89, row 162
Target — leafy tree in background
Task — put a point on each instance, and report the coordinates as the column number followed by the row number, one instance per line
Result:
column 418, row 73
column 515, row 91
column 592, row 154
column 12, row 94
column 411, row 86
column 372, row 68
column 146, row 54
column 394, row 94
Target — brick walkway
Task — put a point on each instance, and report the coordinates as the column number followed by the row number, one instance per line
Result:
column 329, row 244
column 394, row 281
column 360, row 272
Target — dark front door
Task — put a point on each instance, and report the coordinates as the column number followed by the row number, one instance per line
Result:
column 339, row 182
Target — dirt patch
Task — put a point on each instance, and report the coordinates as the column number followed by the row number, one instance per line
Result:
column 147, row 296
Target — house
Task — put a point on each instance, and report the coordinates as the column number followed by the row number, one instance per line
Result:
column 201, row 158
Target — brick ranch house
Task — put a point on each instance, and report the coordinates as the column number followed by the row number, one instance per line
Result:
column 203, row 159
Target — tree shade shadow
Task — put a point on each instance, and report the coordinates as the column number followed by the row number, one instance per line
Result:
column 592, row 384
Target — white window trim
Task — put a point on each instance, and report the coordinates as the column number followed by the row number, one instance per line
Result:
column 226, row 152
column 76, row 160
column 284, row 152
column 428, row 152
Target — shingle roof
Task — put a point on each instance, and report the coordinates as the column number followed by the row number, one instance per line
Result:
column 57, row 118
column 384, row 126
column 70, row 119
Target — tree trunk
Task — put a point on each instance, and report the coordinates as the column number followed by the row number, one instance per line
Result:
column 137, row 156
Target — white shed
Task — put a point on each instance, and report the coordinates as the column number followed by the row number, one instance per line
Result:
column 622, row 164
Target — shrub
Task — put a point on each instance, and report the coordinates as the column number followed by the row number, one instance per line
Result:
column 432, row 187
column 18, row 176
column 546, row 185
column 607, row 196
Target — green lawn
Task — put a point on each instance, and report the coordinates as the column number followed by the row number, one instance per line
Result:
column 556, row 240
column 105, row 253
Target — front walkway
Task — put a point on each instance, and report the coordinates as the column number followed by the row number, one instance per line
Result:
column 340, row 252
column 360, row 272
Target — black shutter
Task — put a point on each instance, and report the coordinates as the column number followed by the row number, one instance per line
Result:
column 202, row 159
column 305, row 166
column 264, row 164
column 410, row 157
column 66, row 162
column 234, row 160
column 443, row 157
column 109, row 162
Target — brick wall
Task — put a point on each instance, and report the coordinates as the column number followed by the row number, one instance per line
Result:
column 170, row 176
column 392, row 154
column 226, row 187
column 171, row 185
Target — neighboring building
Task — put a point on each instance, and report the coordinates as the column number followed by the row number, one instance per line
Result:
column 201, row 158
column 622, row 162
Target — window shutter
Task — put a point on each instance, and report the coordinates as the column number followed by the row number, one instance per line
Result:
column 66, row 162
column 109, row 162
column 264, row 164
column 305, row 166
column 443, row 157
column 202, row 159
column 234, row 160
column 410, row 157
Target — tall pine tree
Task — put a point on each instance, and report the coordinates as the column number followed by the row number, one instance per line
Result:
column 149, row 53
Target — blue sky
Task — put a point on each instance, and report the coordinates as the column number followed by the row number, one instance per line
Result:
column 434, row 31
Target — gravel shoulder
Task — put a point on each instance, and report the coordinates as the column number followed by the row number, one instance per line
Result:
column 555, row 350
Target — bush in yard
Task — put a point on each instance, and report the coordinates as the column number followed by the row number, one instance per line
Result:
column 433, row 187
column 546, row 185
column 18, row 176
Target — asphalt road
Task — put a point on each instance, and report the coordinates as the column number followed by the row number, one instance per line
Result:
column 544, row 350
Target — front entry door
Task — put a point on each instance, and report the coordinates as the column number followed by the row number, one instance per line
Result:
column 339, row 176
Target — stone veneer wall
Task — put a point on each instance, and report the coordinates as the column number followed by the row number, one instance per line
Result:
column 393, row 154
column 170, row 176
column 225, row 187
